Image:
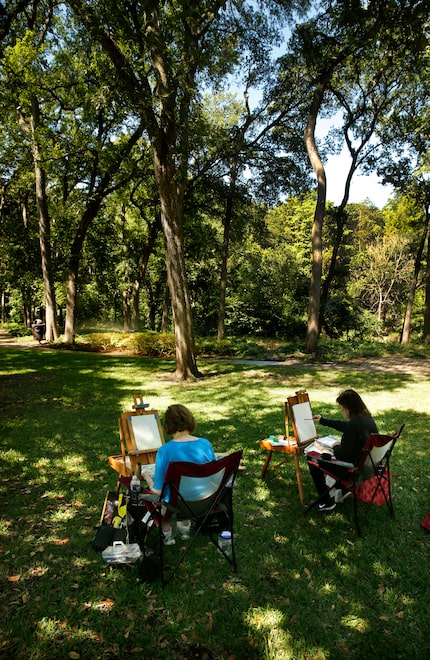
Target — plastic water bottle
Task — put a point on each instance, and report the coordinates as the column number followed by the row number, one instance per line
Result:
column 224, row 542
column 135, row 489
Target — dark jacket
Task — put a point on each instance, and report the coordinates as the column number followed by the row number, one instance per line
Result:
column 354, row 434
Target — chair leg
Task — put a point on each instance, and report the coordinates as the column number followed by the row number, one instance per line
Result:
column 357, row 523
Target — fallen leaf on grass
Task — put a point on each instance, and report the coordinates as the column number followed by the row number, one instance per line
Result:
column 61, row 541
column 13, row 578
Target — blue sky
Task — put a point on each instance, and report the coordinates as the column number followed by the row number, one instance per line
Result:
column 362, row 187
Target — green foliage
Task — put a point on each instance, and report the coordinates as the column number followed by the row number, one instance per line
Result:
column 344, row 319
column 153, row 344
column 16, row 329
column 140, row 343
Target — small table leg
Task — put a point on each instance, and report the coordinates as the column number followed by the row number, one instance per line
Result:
column 299, row 478
column 266, row 464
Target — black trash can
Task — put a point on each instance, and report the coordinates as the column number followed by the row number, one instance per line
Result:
column 38, row 330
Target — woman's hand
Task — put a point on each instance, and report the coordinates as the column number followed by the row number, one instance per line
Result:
column 147, row 478
column 316, row 418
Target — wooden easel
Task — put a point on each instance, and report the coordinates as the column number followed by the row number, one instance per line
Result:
column 134, row 450
column 293, row 448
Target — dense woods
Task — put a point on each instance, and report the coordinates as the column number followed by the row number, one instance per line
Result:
column 161, row 167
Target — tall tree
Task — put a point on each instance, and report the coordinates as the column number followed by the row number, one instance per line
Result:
column 157, row 54
column 21, row 64
column 328, row 45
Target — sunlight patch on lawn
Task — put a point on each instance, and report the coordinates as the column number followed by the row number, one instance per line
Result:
column 356, row 623
column 269, row 622
column 53, row 629
column 12, row 456
column 384, row 570
column 264, row 618
column 73, row 464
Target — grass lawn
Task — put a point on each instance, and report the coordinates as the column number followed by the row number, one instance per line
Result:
column 307, row 586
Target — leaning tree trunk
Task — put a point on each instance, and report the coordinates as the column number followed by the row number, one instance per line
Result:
column 73, row 271
column 404, row 338
column 312, row 333
column 426, row 324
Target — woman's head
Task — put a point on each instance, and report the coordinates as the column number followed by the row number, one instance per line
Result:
column 352, row 402
column 178, row 418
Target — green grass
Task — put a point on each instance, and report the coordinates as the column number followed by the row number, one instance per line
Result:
column 307, row 586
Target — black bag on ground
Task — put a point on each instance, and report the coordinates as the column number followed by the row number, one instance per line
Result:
column 105, row 536
column 149, row 569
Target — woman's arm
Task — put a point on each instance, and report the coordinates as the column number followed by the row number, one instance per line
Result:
column 337, row 424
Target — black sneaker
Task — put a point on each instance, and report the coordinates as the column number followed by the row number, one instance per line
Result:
column 327, row 506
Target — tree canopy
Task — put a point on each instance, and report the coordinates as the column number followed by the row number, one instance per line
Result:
column 132, row 153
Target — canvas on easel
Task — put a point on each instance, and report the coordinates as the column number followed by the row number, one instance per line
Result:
column 298, row 413
column 141, row 435
column 302, row 421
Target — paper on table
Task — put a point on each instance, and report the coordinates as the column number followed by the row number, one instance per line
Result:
column 280, row 442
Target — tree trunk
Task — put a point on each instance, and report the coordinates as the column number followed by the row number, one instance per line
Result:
column 225, row 249
column 312, row 333
column 340, row 226
column 126, row 315
column 165, row 315
column 404, row 337
column 73, row 271
column 228, row 218
column 426, row 324
column 51, row 331
column 134, row 322
column 95, row 199
column 171, row 202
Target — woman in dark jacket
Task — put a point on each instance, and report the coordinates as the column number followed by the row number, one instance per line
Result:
column 355, row 428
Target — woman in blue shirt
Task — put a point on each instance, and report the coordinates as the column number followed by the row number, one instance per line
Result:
column 180, row 424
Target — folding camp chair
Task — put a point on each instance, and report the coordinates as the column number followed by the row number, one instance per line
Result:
column 141, row 434
column 210, row 509
column 373, row 469
column 291, row 447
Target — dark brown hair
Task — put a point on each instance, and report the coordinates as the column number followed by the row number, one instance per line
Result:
column 178, row 418
column 353, row 402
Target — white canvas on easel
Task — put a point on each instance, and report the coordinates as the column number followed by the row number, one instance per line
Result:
column 305, row 425
column 146, row 431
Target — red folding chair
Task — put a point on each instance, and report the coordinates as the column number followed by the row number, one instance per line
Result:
column 372, row 473
column 210, row 509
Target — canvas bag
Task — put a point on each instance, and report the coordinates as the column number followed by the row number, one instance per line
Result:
column 366, row 490
column 425, row 522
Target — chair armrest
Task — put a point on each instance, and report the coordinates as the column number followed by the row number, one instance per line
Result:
column 150, row 497
column 334, row 461
column 154, row 498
